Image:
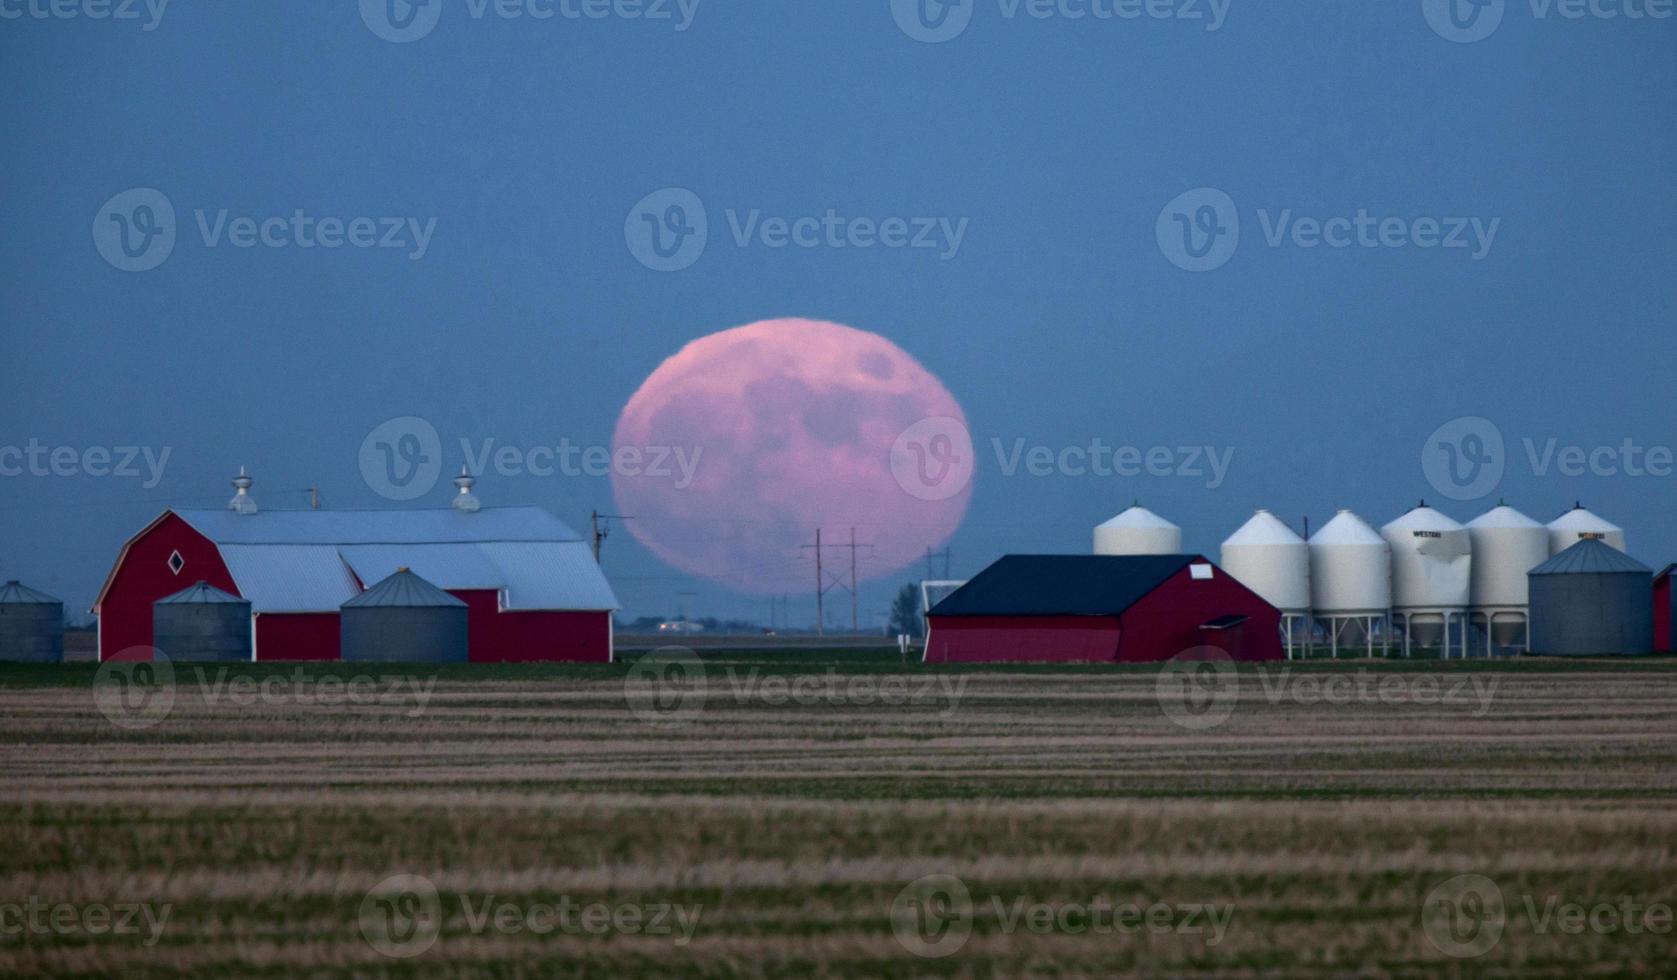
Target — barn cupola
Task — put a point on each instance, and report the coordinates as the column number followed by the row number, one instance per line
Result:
column 242, row 502
column 464, row 502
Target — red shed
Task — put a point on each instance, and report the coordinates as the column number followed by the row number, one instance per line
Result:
column 1665, row 612
column 532, row 585
column 1101, row 608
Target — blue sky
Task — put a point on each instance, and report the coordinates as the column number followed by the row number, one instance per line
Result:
column 522, row 144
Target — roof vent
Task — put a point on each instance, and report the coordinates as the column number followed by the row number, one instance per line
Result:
column 242, row 502
column 464, row 501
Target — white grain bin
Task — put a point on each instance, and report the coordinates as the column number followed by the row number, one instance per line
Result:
column 1578, row 524
column 1432, row 576
column 1269, row 558
column 1506, row 546
column 1138, row 531
column 1350, row 579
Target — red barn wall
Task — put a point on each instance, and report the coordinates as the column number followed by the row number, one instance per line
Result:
column 526, row 636
column 1022, row 639
column 298, row 636
column 143, row 576
column 1664, row 642
column 1167, row 621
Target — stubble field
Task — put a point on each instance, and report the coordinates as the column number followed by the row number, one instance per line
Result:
column 836, row 814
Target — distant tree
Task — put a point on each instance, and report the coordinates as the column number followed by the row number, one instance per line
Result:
column 905, row 611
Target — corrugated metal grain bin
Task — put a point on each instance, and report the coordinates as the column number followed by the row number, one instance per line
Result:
column 31, row 626
column 1592, row 599
column 202, row 623
column 404, row 619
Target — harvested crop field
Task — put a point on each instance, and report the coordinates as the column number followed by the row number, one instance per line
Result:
column 837, row 814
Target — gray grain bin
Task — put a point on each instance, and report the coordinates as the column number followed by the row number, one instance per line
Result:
column 202, row 623
column 404, row 619
column 31, row 626
column 1592, row 599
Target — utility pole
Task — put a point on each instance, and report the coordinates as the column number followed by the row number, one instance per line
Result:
column 822, row 585
column 853, row 580
column 314, row 497
column 602, row 531
column 820, row 589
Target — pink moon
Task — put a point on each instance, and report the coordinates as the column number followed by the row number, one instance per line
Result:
column 787, row 426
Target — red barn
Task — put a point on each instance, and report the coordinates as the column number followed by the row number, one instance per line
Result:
column 1665, row 612
column 531, row 583
column 1101, row 608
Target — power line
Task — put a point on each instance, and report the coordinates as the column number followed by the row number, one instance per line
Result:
column 822, row 585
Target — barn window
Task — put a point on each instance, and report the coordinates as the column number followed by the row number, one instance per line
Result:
column 176, row 563
column 1201, row 572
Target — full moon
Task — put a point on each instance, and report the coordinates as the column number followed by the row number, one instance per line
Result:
column 736, row 449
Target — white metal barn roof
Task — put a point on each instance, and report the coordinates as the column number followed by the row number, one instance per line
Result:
column 310, row 561
column 340, row 527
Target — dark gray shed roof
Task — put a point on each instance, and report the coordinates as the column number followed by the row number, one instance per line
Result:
column 16, row 593
column 201, row 594
column 1591, row 557
column 1062, row 585
column 403, row 589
